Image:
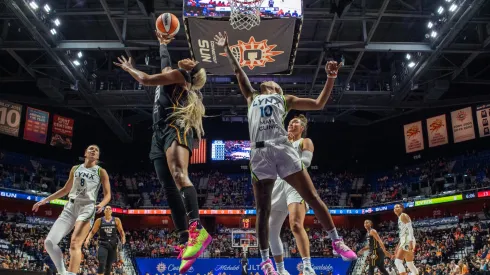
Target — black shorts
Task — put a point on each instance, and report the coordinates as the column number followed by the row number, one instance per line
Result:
column 107, row 255
column 164, row 136
column 377, row 258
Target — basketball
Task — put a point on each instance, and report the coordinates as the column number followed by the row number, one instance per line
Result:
column 168, row 24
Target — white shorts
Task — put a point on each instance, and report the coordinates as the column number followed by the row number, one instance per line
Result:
column 283, row 195
column 274, row 160
column 78, row 211
column 405, row 244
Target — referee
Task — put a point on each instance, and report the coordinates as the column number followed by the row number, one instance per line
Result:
column 108, row 241
column 376, row 248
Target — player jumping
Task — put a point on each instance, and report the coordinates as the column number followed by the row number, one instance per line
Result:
column 177, row 120
column 272, row 154
column 82, row 188
column 286, row 199
column 406, row 246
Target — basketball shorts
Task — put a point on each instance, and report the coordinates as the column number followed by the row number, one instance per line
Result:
column 274, row 159
column 78, row 211
column 405, row 244
column 283, row 195
column 164, row 136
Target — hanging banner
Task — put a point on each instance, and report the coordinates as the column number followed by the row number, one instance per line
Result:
column 10, row 114
column 62, row 132
column 482, row 117
column 261, row 50
column 437, row 131
column 36, row 128
column 414, row 139
column 463, row 128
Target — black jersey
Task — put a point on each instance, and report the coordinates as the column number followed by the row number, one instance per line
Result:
column 373, row 244
column 108, row 231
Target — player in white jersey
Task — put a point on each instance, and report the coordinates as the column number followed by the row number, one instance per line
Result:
column 82, row 188
column 286, row 199
column 272, row 154
column 406, row 245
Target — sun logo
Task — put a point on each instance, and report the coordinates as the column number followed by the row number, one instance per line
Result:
column 299, row 267
column 413, row 131
column 253, row 54
column 161, row 267
column 436, row 125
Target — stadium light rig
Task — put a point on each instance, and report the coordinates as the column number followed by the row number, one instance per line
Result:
column 79, row 54
column 76, row 63
column 33, row 5
column 57, row 22
column 53, row 31
column 47, row 8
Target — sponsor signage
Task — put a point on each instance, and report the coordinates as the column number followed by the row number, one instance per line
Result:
column 62, row 132
column 414, row 139
column 261, row 50
column 436, row 222
column 10, row 114
column 36, row 128
column 484, row 194
column 439, row 200
column 232, row 266
column 437, row 131
column 483, row 119
column 462, row 122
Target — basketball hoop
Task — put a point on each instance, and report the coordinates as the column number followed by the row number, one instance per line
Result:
column 244, row 249
column 245, row 14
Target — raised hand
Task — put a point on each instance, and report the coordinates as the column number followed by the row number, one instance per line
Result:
column 221, row 40
column 332, row 68
column 123, row 63
column 38, row 204
column 164, row 39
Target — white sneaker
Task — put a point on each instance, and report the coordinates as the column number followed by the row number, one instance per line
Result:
column 283, row 273
column 308, row 271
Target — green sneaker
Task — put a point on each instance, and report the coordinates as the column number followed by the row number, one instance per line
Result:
column 199, row 239
column 185, row 265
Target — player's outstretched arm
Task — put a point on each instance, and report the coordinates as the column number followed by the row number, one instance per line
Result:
column 165, row 60
column 309, row 104
column 106, row 188
column 166, row 78
column 243, row 81
column 58, row 194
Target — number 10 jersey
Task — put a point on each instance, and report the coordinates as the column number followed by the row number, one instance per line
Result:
column 266, row 116
column 86, row 184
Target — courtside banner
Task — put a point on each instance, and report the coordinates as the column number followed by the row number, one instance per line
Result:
column 483, row 117
column 414, row 139
column 232, row 266
column 437, row 130
column 10, row 114
column 62, row 132
column 36, row 128
column 261, row 50
column 463, row 128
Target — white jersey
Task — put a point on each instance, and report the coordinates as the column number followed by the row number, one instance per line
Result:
column 266, row 117
column 86, row 184
column 404, row 231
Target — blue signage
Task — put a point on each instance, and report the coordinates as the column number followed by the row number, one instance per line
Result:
column 165, row 266
column 20, row 196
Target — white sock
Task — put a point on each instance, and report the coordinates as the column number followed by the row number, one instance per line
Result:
column 306, row 262
column 70, row 273
column 56, row 256
column 264, row 254
column 280, row 267
column 333, row 234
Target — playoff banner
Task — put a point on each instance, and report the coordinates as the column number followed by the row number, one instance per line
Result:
column 10, row 114
column 414, row 139
column 261, row 50
column 62, row 132
column 232, row 266
column 463, row 128
column 437, row 130
column 36, row 128
column 482, row 117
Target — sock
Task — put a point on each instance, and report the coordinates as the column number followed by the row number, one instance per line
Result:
column 56, row 255
column 197, row 221
column 280, row 267
column 264, row 254
column 70, row 273
column 333, row 234
column 306, row 262
column 183, row 237
column 189, row 195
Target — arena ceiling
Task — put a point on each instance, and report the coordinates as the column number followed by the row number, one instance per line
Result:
column 374, row 36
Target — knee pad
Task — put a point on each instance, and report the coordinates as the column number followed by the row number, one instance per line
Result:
column 411, row 267
column 399, row 266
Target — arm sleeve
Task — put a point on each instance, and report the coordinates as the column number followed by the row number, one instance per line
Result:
column 306, row 157
column 165, row 60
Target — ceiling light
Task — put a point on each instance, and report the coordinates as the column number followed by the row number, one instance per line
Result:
column 440, row 10
column 408, row 56
column 57, row 22
column 433, row 34
column 76, row 62
column 430, row 25
column 80, row 54
column 53, row 31
column 449, row 1
column 47, row 8
column 453, row 7
column 33, row 5
column 411, row 64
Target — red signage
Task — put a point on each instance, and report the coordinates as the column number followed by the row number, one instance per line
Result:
column 483, row 194
column 167, row 211
column 62, row 132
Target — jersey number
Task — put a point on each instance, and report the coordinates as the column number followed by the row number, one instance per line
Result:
column 82, row 182
column 266, row 111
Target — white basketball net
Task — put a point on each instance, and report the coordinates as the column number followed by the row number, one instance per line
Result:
column 245, row 14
